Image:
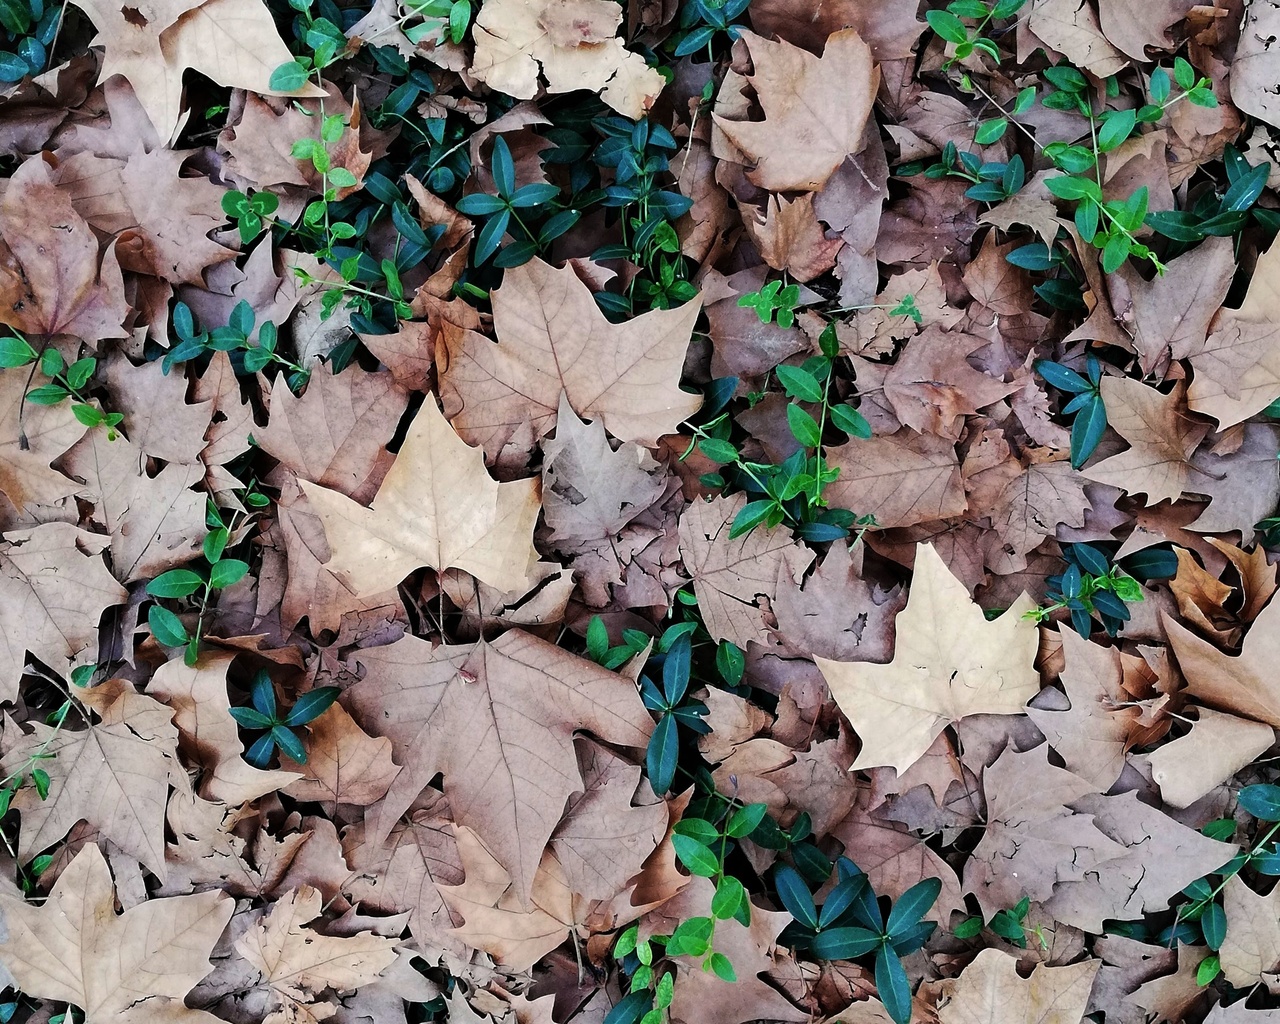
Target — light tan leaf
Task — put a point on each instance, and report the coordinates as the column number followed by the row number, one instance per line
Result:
column 789, row 237
column 990, row 991
column 554, row 340
column 114, row 774
column 573, row 42
column 296, row 963
column 1071, row 27
column 1215, row 749
column 815, row 108
column 735, row 580
column 1162, row 437
column 136, row 966
column 53, row 590
column 345, row 765
column 207, row 734
column 902, row 479
column 31, row 436
column 1245, row 684
column 498, row 720
column 437, row 507
column 949, row 662
column 1252, row 946
column 157, row 416
column 1256, row 67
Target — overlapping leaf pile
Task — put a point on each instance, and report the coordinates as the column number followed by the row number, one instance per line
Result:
column 288, row 423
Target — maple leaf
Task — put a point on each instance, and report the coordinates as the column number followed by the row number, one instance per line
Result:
column 902, row 479
column 114, row 774
column 990, row 991
column 815, row 110
column 949, row 662
column 31, row 436
column 1199, row 761
column 53, row 590
column 437, row 507
column 572, row 42
column 789, row 238
column 553, row 340
column 1254, row 69
column 207, row 734
column 1162, row 438
column 345, row 765
column 1252, row 946
column 131, row 967
column 232, row 42
column 51, row 279
column 296, row 963
column 506, row 753
column 1072, row 28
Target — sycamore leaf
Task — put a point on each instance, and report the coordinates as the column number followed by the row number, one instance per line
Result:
column 1252, row 946
column 498, row 720
column 114, row 774
column 573, row 42
column 436, row 507
column 949, row 662
column 295, row 962
column 990, row 991
column 1256, row 66
column 134, row 967
column 232, row 42
column 31, row 436
column 553, row 340
column 815, row 108
column 1217, row 747
column 345, row 765
column 902, row 479
column 53, row 590
column 1246, row 683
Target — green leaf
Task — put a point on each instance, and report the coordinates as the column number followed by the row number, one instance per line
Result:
column 852, row 422
column 799, row 383
column 691, row 937
column 844, row 943
column 227, row 572
column 289, row 743
column 342, row 178
column 1087, row 430
column 597, row 639
column 662, row 754
column 892, row 985
column 89, row 415
column 717, row 450
column 722, row 967
column 947, row 25
column 215, row 542
column 41, row 779
column 1071, row 187
column 166, row 627
column 1214, row 925
column 51, row 362
column 1025, row 101
column 175, row 583
column 729, row 896
column 804, row 428
column 288, row 77
column 14, row 351
column 1159, row 86
column 795, row 895
column 751, row 515
column 311, row 705
column 1209, row 968
column 745, row 820
column 663, row 992
column 1202, row 97
column 968, row 928
column 626, row 942
column 1117, row 126
column 912, row 905
column 1262, row 801
column 730, row 662
column 1115, row 252
column 250, row 718
column 991, row 131
column 48, row 394
column 696, row 857
column 1183, row 73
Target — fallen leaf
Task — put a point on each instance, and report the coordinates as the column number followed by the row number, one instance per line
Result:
column 130, row 967
column 345, row 765
column 1244, row 684
column 901, row 479
column 1071, row 27
column 1256, row 67
column 1215, row 749
column 789, row 238
column 1252, row 946
column 949, row 662
column 32, row 436
column 990, row 991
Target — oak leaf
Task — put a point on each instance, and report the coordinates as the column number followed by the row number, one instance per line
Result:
column 815, row 110
column 498, row 720
column 1161, row 435
column 436, row 507
column 990, row 991
column 554, row 340
column 114, row 774
column 949, row 662
column 295, row 963
column 572, row 42
column 53, row 590
column 128, row 968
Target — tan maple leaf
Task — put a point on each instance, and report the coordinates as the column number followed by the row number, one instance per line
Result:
column 789, row 237
column 437, row 507
column 990, row 991
column 1252, row 946
column 1246, row 683
column 498, row 719
column 572, row 42
column 1162, row 437
column 295, row 963
column 1256, row 68
column 1217, row 747
column 345, row 765
column 114, row 774
column 815, row 110
column 128, row 968
column 902, row 479
column 31, row 436
column 949, row 662
column 553, row 340
column 52, row 280
column 232, row 42
column 53, row 590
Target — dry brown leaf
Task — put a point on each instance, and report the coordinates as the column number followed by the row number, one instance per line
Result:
column 554, row 340
column 815, row 108
column 789, row 237
column 295, row 963
column 1162, row 436
column 949, row 662
column 1071, row 27
column 125, row 968
column 736, row 580
column 1252, row 946
column 53, row 590
column 32, row 436
column 507, row 754
column 114, row 774
column 902, row 479
column 1244, row 684
column 1256, row 67
column 1215, row 749
column 572, row 42
column 990, row 991
column 345, row 765
column 436, row 507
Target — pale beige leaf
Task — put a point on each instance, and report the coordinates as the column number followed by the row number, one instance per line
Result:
column 902, row 479
column 31, row 436
column 1071, row 27
column 1252, row 945
column 137, row 965
column 345, row 765
column 1256, row 67
column 436, row 507
column 1245, row 684
column 949, row 662
column 1215, row 749
column 990, row 991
